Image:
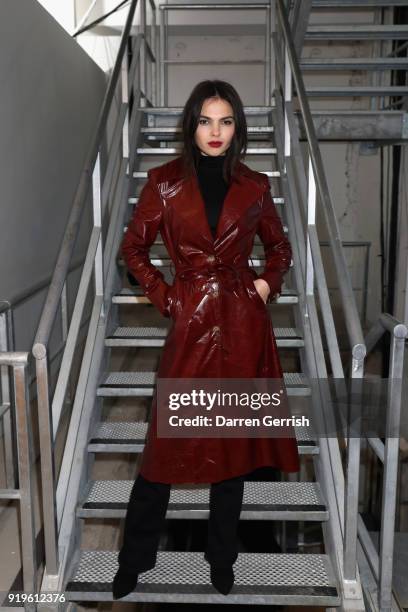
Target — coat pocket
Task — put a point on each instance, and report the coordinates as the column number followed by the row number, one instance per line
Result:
column 253, row 293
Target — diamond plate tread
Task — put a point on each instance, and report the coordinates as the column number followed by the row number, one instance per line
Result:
column 141, row 384
column 298, row 501
column 136, row 296
column 286, row 337
column 184, row 577
column 129, row 437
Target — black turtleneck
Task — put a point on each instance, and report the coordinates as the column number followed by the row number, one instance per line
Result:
column 212, row 186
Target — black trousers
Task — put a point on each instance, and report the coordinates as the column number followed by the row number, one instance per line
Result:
column 145, row 520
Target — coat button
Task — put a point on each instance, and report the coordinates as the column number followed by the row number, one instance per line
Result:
column 211, row 258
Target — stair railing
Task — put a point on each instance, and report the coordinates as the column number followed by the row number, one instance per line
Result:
column 381, row 562
column 314, row 272
column 126, row 76
column 288, row 72
column 24, row 491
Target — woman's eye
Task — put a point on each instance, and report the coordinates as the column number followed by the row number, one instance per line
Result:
column 226, row 122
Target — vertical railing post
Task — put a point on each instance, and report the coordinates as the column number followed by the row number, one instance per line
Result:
column 45, row 426
column 272, row 36
column 65, row 329
column 353, row 464
column 288, row 98
column 311, row 221
column 268, row 58
column 162, row 47
column 153, row 37
column 25, row 465
column 391, row 454
column 124, row 77
column 97, row 219
column 8, row 424
column 143, row 54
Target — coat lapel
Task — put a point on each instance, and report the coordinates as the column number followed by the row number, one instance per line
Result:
column 185, row 197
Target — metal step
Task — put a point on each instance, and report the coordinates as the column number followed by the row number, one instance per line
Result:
column 279, row 501
column 256, row 130
column 133, row 201
column 357, row 3
column 356, row 32
column 256, row 243
column 130, row 436
column 167, row 265
column 286, row 337
column 372, row 63
column 141, row 384
column 254, row 262
column 327, row 92
column 177, row 110
column 136, row 296
column 184, row 577
column 177, row 151
column 269, row 173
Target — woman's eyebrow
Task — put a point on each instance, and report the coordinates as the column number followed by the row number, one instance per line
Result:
column 227, row 117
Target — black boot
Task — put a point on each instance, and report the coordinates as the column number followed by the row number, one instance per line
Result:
column 222, row 578
column 123, row 583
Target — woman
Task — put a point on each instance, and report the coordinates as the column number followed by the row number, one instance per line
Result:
column 208, row 206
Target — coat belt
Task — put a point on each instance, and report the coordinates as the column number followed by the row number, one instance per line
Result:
column 230, row 275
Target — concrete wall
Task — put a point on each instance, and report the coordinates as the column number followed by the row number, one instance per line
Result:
column 51, row 96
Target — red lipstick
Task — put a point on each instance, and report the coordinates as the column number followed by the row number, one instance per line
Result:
column 215, row 143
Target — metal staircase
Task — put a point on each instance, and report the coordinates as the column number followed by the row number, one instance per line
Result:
column 147, row 134
column 380, row 40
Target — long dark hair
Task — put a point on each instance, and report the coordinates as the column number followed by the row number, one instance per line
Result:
column 191, row 113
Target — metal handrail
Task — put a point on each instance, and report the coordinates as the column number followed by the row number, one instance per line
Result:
column 90, row 176
column 68, row 242
column 353, row 323
column 18, row 361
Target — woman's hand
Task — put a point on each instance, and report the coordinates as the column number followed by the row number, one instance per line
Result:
column 262, row 288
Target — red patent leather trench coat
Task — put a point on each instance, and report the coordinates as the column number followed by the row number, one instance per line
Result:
column 219, row 329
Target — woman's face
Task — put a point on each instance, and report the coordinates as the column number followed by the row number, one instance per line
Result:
column 216, row 126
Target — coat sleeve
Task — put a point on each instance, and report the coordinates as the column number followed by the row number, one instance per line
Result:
column 141, row 234
column 278, row 252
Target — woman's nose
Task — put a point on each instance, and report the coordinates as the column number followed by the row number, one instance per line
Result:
column 216, row 130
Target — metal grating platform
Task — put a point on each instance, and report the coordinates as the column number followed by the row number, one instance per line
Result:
column 286, row 337
column 141, row 384
column 298, row 501
column 184, row 577
column 129, row 437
